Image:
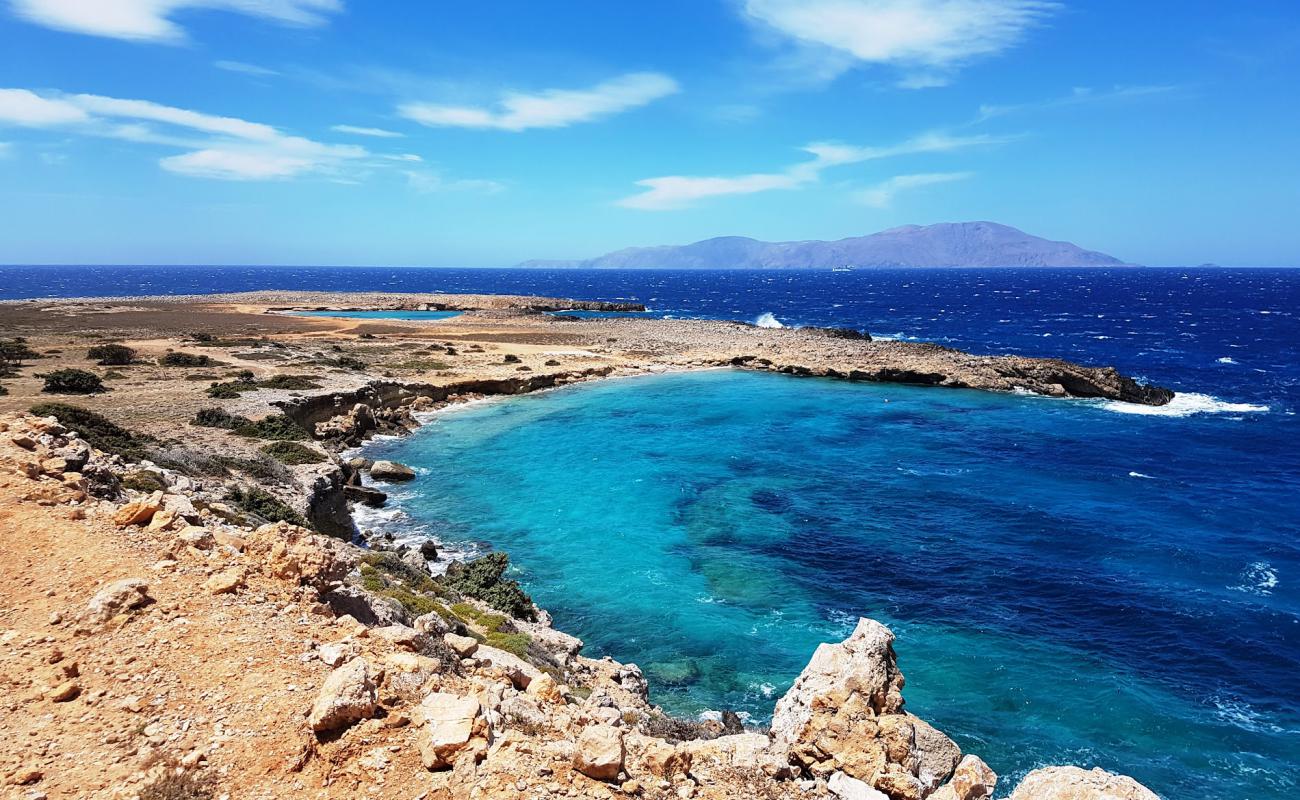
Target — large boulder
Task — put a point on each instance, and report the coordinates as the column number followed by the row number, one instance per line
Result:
column 366, row 607
column 844, row 713
column 348, row 695
column 450, row 723
column 600, row 752
column 1073, row 783
column 139, row 512
column 971, row 780
column 391, row 471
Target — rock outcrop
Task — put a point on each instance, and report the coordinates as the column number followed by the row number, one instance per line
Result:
column 348, row 695
column 1073, row 783
column 844, row 714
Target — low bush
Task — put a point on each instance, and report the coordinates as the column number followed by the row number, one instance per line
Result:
column 265, row 505
column 219, row 418
column 96, row 430
column 294, row 454
column 228, row 391
column 263, row 468
column 179, row 359
column 142, row 480
column 516, row 643
column 483, row 579
column 276, row 427
column 289, row 382
column 111, row 355
column 13, row 352
column 72, row 381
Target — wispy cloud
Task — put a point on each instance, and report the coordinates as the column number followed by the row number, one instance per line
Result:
column 882, row 194
column 927, row 40
column 150, row 20
column 428, row 182
column 219, row 147
column 376, row 132
column 680, row 191
column 1079, row 96
column 554, row 108
column 245, row 68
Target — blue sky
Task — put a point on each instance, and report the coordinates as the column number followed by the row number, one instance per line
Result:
column 474, row 134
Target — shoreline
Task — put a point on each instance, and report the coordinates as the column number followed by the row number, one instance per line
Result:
column 351, row 380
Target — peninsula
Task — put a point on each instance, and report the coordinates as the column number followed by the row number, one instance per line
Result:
column 196, row 615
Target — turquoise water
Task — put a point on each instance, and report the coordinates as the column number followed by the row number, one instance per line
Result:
column 1068, row 584
column 385, row 314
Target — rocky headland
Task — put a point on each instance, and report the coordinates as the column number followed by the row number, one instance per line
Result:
column 193, row 614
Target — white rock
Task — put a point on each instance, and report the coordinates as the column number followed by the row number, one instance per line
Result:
column 846, row 788
column 348, row 695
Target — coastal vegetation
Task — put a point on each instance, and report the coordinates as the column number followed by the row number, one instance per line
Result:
column 99, row 432
column 72, row 381
column 111, row 355
column 484, row 579
column 262, row 503
column 13, row 352
column 180, row 359
column 293, row 453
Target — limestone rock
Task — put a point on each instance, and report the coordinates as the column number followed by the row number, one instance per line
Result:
column 400, row 636
column 545, row 689
column 225, row 582
column 431, row 624
column 464, row 646
column 714, row 759
column 1073, row 783
column 391, row 471
column 937, row 755
column 600, row 752
column 846, row 788
column 450, row 722
column 366, row 608
column 116, row 598
column 138, row 512
column 521, row 673
column 348, row 695
column 864, row 662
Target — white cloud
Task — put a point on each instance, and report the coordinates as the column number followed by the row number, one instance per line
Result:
column 882, row 194
column 21, row 107
column 220, row 147
column 150, row 20
column 680, row 191
column 377, row 132
column 245, row 68
column 927, row 39
column 554, row 108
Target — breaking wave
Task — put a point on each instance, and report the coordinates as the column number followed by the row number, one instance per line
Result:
column 1185, row 404
column 766, row 320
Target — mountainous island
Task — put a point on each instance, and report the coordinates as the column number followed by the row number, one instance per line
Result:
column 946, row 244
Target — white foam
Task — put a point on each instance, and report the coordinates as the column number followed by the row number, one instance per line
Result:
column 1184, row 404
column 1140, row 475
column 1258, row 578
column 1224, row 360
column 766, row 320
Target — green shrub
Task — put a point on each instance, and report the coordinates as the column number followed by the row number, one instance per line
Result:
column 265, row 505
column 289, row 382
column 111, row 355
column 178, row 359
column 294, row 454
column 483, row 579
column 96, row 430
column 72, row 381
column 13, row 352
column 516, row 643
column 142, row 480
column 219, row 418
column 228, row 391
column 264, row 469
column 276, row 427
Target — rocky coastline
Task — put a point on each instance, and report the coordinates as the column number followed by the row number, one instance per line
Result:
column 414, row 682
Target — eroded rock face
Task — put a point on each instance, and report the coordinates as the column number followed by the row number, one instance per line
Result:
column 296, row 554
column 845, row 714
column 1073, row 783
column 972, row 780
column 348, row 695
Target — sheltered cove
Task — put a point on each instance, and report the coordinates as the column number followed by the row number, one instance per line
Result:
column 445, row 703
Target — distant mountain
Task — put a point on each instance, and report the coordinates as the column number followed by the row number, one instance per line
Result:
column 947, row 244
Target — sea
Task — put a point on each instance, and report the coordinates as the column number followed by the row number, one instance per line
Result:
column 1070, row 581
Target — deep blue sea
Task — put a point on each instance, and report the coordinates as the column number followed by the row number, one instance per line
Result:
column 1070, row 581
